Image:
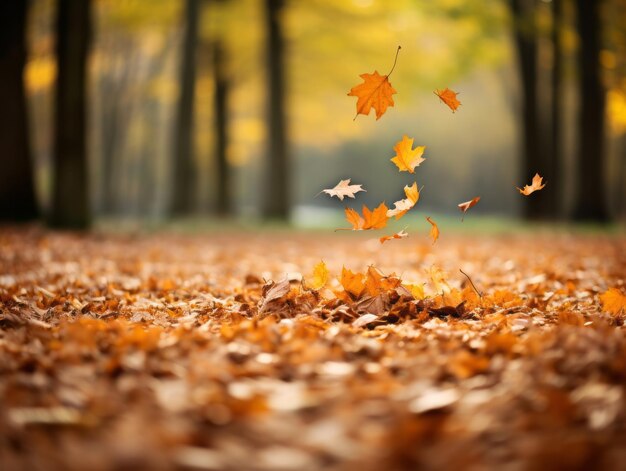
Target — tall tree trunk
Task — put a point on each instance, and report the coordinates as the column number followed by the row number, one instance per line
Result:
column 17, row 189
column 553, row 172
column 224, row 203
column 591, row 198
column 526, row 45
column 276, row 204
column 184, row 167
column 70, row 195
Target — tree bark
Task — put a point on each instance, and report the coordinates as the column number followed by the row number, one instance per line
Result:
column 70, row 195
column 17, row 189
column 277, row 203
column 526, row 45
column 224, row 203
column 184, row 167
column 554, row 170
column 591, row 201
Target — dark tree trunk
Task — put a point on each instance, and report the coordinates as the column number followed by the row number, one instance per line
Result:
column 276, row 204
column 17, row 189
column 183, row 194
column 526, row 45
column 224, row 203
column 553, row 170
column 70, row 195
column 591, row 201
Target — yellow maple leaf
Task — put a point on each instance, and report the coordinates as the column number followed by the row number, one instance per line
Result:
column 416, row 290
column 319, row 278
column 406, row 158
column 402, row 206
column 613, row 301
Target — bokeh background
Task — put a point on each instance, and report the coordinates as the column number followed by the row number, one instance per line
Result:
column 239, row 108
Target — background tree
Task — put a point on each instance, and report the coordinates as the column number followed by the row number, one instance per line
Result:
column 277, row 203
column 70, row 195
column 220, row 103
column 591, row 198
column 184, row 186
column 17, row 193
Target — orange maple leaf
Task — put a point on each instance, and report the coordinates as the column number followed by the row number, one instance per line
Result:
column 434, row 230
column 376, row 282
column 375, row 92
column 534, row 186
column 353, row 283
column 371, row 219
column 319, row 277
column 406, row 158
column 467, row 205
column 398, row 235
column 613, row 301
column 449, row 98
column 402, row 206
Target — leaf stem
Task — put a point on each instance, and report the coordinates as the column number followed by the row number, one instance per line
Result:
column 394, row 61
column 480, row 295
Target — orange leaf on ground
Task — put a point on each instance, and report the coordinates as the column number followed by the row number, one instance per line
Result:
column 434, row 230
column 376, row 282
column 406, row 158
column 417, row 290
column 398, row 235
column 353, row 283
column 343, row 189
column 375, row 92
column 535, row 185
column 319, row 278
column 449, row 98
column 371, row 219
column 468, row 204
column 613, row 301
column 402, row 206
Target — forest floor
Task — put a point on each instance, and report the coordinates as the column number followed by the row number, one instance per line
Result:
column 164, row 351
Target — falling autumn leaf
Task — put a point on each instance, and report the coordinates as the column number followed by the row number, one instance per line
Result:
column 343, row 189
column 375, row 92
column 353, row 283
column 371, row 219
column 467, row 205
column 613, row 301
column 534, row 186
column 402, row 206
column 398, row 235
column 449, row 98
column 406, row 158
column 319, row 278
column 434, row 230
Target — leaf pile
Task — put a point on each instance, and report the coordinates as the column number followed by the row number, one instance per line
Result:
column 239, row 351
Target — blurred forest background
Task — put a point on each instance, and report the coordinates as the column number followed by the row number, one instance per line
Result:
column 154, row 109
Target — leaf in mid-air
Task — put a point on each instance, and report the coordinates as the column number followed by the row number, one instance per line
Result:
column 402, row 206
column 468, row 204
column 398, row 235
column 613, row 301
column 371, row 219
column 406, row 158
column 375, row 92
column 343, row 189
column 536, row 184
column 434, row 230
column 319, row 278
column 449, row 98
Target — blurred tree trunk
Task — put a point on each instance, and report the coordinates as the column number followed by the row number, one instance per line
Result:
column 17, row 189
column 590, row 201
column 276, row 204
column 70, row 195
column 526, row 45
column 224, row 203
column 554, row 169
column 184, row 187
